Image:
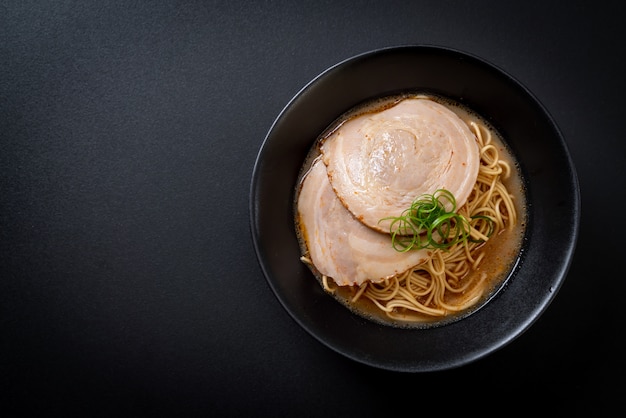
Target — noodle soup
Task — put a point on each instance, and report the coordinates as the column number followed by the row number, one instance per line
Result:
column 448, row 283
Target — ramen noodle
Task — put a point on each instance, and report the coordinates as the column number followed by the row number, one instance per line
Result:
column 377, row 159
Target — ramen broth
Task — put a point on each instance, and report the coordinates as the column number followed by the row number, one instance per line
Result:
column 502, row 251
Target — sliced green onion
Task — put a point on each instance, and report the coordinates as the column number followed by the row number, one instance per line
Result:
column 432, row 222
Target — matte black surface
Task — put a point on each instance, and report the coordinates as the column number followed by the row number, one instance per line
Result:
column 129, row 284
column 552, row 201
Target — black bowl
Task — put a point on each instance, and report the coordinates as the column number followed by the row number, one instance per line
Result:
column 553, row 200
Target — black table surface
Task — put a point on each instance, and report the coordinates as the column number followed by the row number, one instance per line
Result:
column 129, row 283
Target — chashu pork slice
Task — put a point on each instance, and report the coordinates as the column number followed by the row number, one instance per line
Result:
column 379, row 163
column 340, row 246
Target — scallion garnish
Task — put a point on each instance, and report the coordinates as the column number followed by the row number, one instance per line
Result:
column 432, row 222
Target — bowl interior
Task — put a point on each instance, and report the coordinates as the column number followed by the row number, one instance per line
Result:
column 527, row 128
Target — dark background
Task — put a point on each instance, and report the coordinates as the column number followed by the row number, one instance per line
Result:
column 128, row 134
